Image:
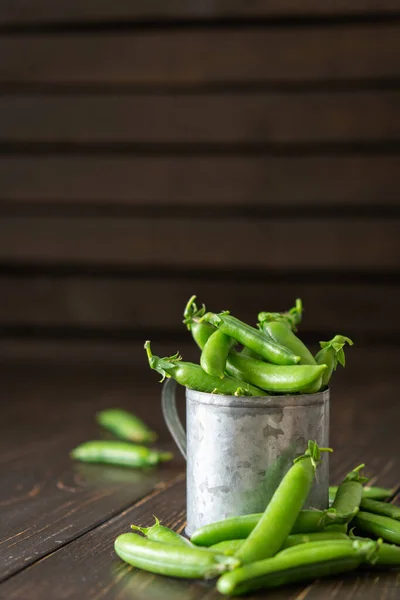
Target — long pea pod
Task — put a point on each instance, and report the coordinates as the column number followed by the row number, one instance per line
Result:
column 215, row 352
column 251, row 338
column 113, row 452
column 160, row 533
column 381, row 508
column 193, row 377
column 302, row 563
column 230, row 547
column 125, row 425
column 331, row 354
column 169, row 559
column 370, row 492
column 200, row 331
column 284, row 508
column 273, row 378
column 280, row 327
column 349, row 494
column 377, row 525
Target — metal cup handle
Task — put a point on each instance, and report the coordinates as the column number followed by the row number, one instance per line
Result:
column 168, row 403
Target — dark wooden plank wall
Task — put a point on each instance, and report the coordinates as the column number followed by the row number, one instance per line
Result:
column 246, row 152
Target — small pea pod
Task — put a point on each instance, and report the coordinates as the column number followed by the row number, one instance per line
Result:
column 372, row 492
column 301, row 563
column 284, row 508
column 331, row 354
column 172, row 560
column 381, row 508
column 114, row 452
column 273, row 378
column 200, row 331
column 383, row 527
column 160, row 533
column 193, row 377
column 280, row 326
column 215, row 352
column 251, row 338
column 125, row 425
column 349, row 494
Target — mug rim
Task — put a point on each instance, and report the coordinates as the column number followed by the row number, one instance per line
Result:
column 284, row 401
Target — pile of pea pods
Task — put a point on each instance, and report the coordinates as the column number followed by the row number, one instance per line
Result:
column 129, row 450
column 283, row 545
column 241, row 360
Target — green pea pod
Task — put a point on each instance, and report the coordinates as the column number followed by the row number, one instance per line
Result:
column 280, row 327
column 251, row 338
column 160, row 533
column 383, row 527
column 215, row 352
column 273, row 378
column 193, row 377
column 114, row 452
column 284, row 508
column 191, row 318
column 349, row 494
column 331, row 354
column 125, row 425
column 171, row 560
column 302, row 563
column 381, row 508
column 372, row 492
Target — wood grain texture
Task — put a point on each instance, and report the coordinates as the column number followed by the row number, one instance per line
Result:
column 45, row 11
column 201, row 118
column 351, row 180
column 126, row 305
column 221, row 243
column 46, row 500
column 87, row 567
column 198, row 57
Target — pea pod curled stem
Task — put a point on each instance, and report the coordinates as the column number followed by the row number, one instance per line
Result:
column 160, row 533
column 308, row 521
column 303, row 563
column 215, row 352
column 372, row 492
column 273, row 378
column 230, row 547
column 193, row 377
column 331, row 354
column 284, row 508
column 381, row 508
column 191, row 318
column 125, row 425
column 349, row 494
column 172, row 560
column 251, row 338
column 383, row 527
column 121, row 453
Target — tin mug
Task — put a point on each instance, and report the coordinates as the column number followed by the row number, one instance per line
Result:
column 238, row 449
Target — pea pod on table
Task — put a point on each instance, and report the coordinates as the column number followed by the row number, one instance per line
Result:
column 121, row 453
column 284, row 508
column 251, row 338
column 302, row 563
column 381, row 508
column 377, row 525
column 125, row 425
column 160, row 533
column 273, row 378
column 372, row 492
column 169, row 559
column 193, row 377
column 349, row 494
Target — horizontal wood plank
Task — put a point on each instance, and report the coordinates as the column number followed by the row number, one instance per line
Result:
column 223, row 118
column 202, row 180
column 202, row 56
column 128, row 305
column 45, row 11
column 220, row 243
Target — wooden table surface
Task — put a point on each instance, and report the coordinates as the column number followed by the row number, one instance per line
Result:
column 58, row 519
